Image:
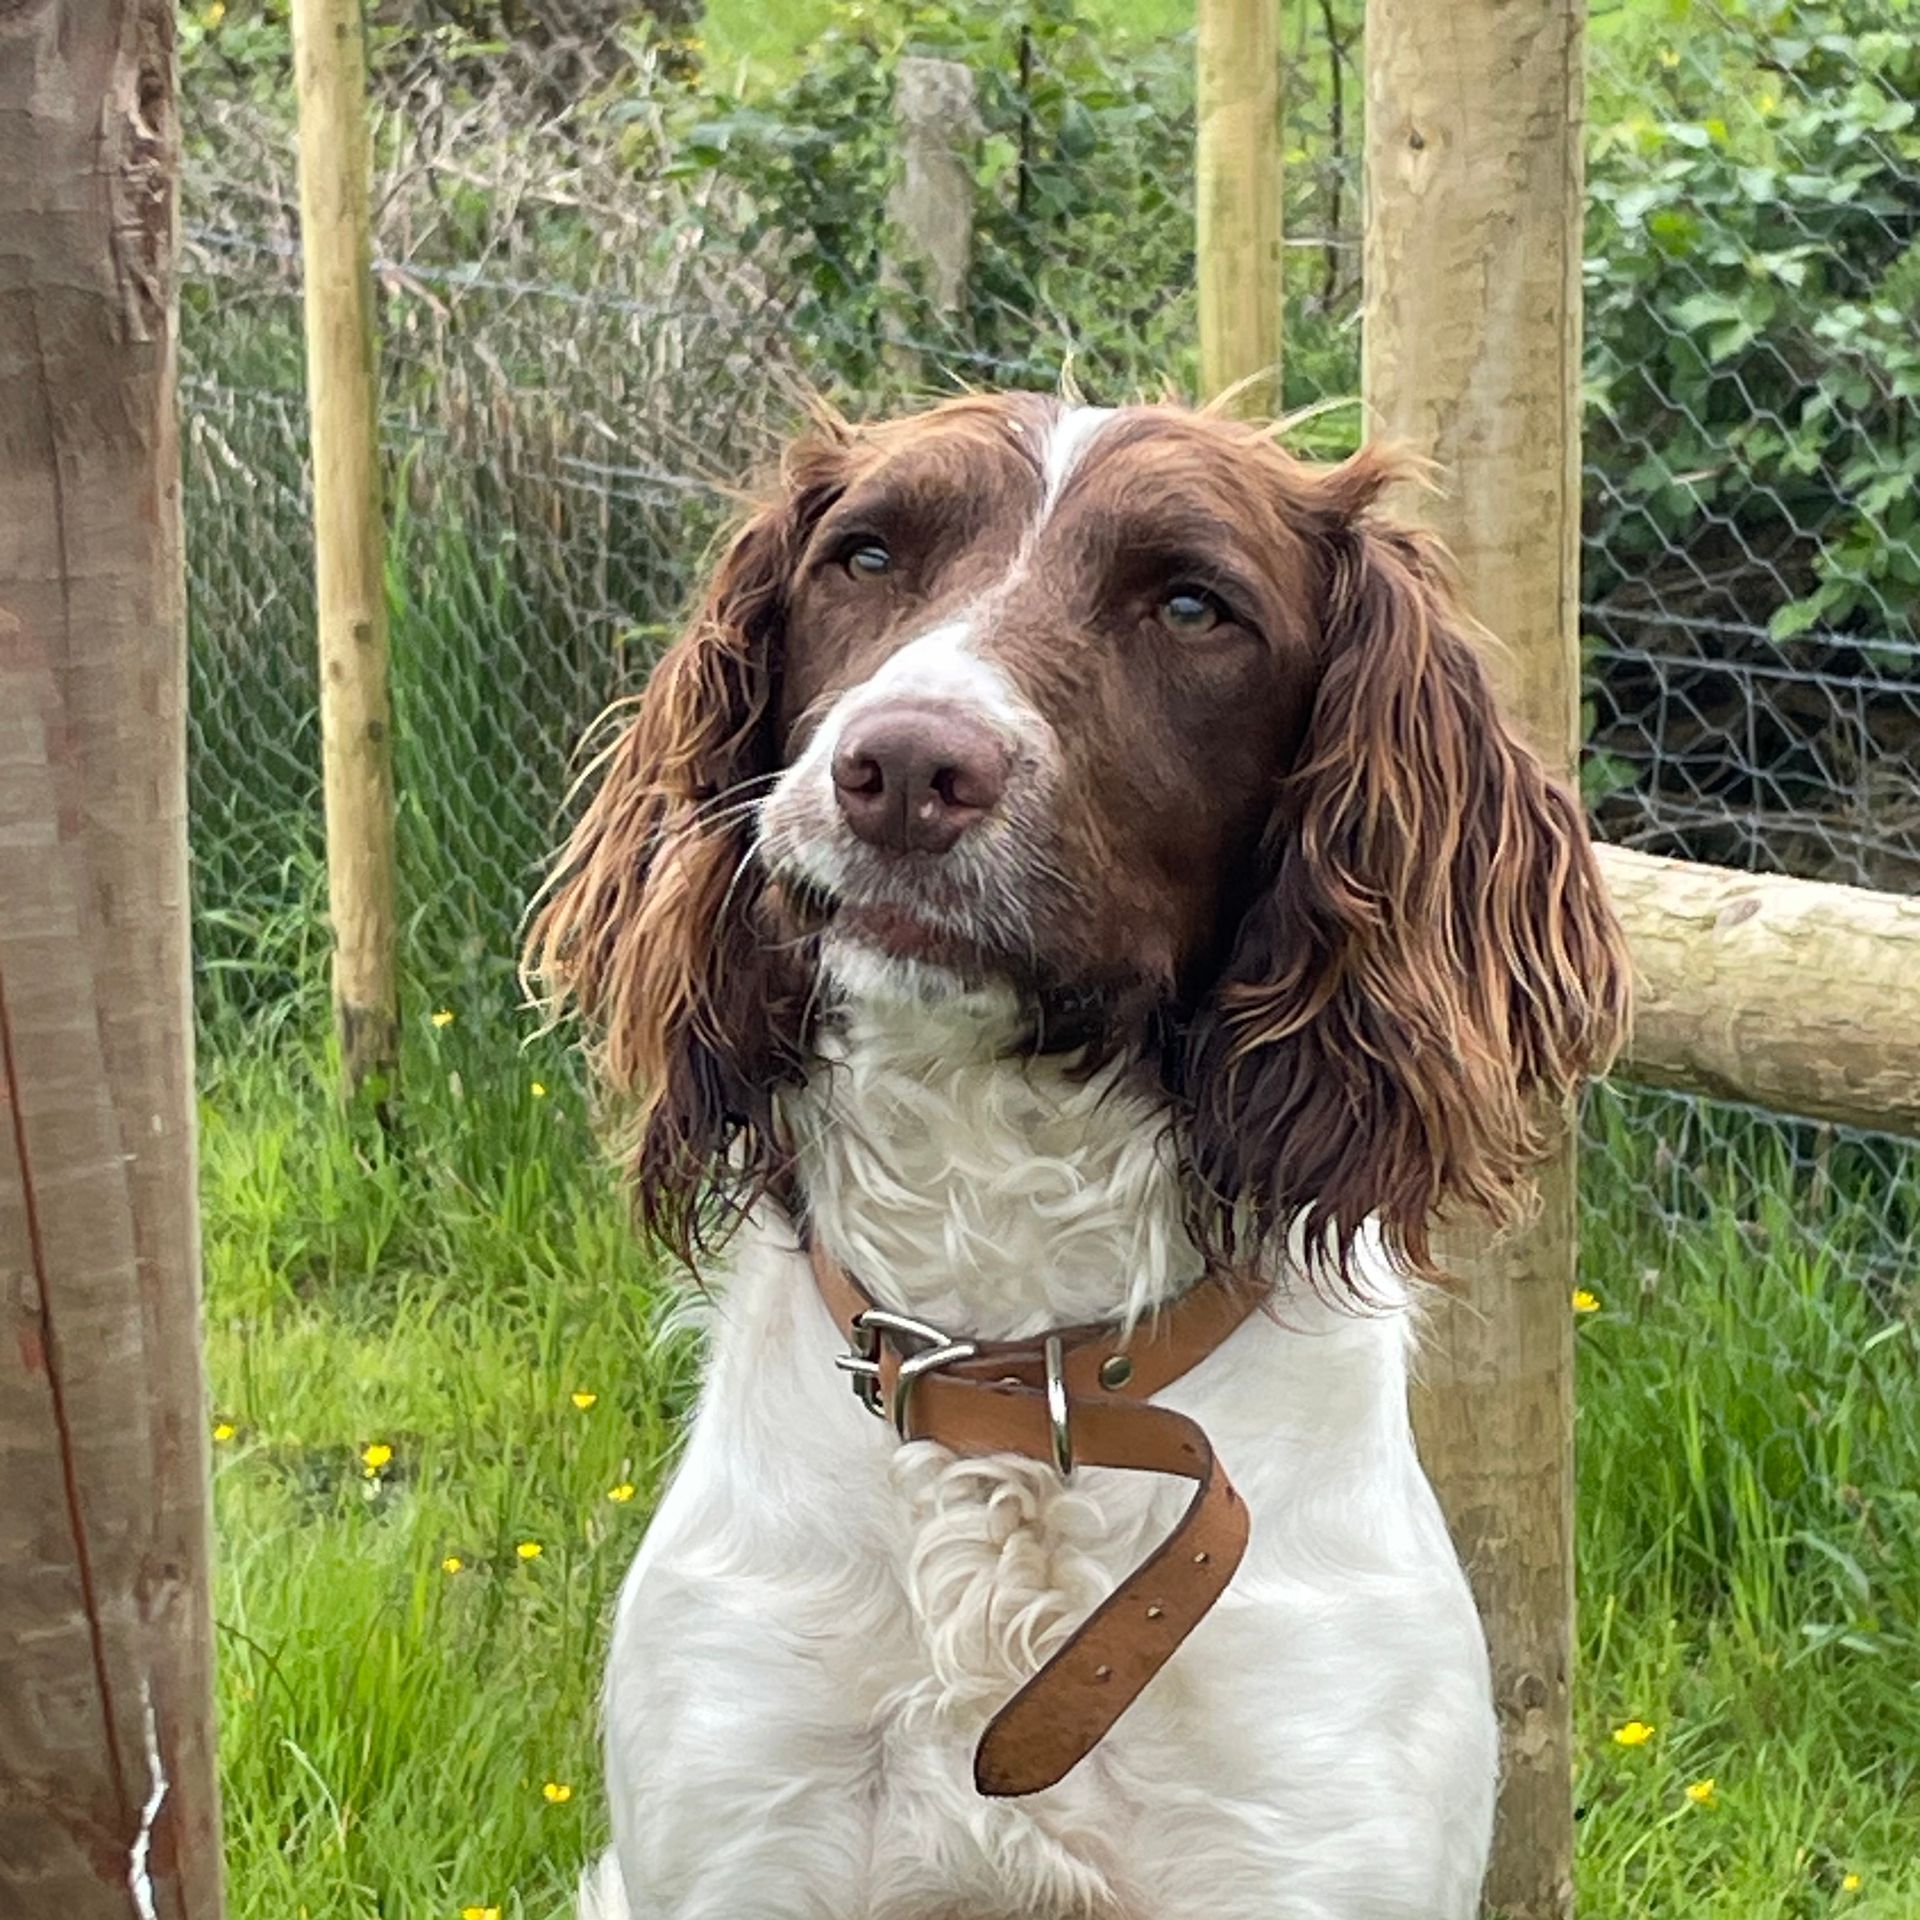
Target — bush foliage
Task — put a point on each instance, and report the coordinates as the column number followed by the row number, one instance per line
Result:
column 1753, row 277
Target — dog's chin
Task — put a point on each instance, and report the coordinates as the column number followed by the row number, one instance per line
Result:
column 897, row 934
column 892, row 953
column 885, row 953
column 885, row 934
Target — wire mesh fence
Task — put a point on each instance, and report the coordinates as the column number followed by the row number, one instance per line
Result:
column 610, row 263
column 1753, row 538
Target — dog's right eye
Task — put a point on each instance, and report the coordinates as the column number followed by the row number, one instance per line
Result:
column 868, row 561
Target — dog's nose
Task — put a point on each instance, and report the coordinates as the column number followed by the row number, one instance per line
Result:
column 913, row 778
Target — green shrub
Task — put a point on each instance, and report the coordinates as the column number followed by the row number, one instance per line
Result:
column 1083, row 240
column 1753, row 276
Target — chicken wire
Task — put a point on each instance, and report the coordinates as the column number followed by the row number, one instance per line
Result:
column 607, row 274
column 1752, row 566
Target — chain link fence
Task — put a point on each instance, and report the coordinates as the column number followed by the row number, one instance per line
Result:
column 611, row 263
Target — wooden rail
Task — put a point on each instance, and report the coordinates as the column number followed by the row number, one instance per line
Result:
column 1797, row 995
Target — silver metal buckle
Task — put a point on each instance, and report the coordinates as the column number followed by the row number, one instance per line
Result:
column 938, row 1349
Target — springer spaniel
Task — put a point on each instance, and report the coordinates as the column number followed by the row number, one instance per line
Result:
column 1073, row 856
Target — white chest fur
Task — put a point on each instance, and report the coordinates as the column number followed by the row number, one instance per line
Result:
column 999, row 1195
column 821, row 1622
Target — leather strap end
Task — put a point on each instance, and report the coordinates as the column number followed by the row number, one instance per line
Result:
column 1066, row 1709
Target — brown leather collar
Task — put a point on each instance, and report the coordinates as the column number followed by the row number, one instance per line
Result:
column 1081, row 1395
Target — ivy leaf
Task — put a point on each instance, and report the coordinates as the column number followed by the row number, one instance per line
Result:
column 1796, row 616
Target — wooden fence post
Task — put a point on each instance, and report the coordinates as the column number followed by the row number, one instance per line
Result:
column 1472, row 356
column 108, row 1804
column 356, row 722
column 930, row 208
column 1238, row 179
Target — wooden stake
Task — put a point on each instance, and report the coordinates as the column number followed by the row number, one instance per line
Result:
column 343, row 405
column 108, row 1805
column 1472, row 357
column 1237, row 202
column 930, row 210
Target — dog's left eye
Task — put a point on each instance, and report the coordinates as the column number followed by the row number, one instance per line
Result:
column 868, row 561
column 1190, row 610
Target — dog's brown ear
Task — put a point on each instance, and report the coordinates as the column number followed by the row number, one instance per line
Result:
column 649, row 929
column 1433, row 960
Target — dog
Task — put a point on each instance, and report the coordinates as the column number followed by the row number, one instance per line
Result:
column 1072, row 868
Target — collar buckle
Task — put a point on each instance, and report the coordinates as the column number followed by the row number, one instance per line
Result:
column 934, row 1348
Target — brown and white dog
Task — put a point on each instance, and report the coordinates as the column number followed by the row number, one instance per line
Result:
column 1072, row 850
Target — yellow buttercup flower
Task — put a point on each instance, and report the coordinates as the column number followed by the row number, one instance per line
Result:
column 583, row 1399
column 621, row 1494
column 443, row 1017
column 1585, row 1302
column 223, row 1431
column 1849, row 1883
column 529, row 1549
column 452, row 1563
column 479, row 1913
column 1703, row 1793
column 1636, row 1733
column 376, row 1456
column 537, row 1090
column 557, row 1793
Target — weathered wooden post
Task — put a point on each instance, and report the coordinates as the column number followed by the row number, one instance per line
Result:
column 1237, row 209
column 1472, row 356
column 356, row 721
column 108, row 1807
column 930, row 208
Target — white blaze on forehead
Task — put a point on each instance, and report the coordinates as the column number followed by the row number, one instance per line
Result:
column 1074, row 430
column 940, row 666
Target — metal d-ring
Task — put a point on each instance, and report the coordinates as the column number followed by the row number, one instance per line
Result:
column 1057, row 1410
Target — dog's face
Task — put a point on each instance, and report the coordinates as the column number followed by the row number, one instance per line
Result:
column 1135, row 715
column 1041, row 672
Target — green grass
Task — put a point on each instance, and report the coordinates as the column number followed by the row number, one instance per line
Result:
column 1750, row 1482
column 388, row 1727
column 1749, row 1429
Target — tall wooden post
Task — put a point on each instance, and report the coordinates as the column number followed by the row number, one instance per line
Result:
column 1472, row 356
column 356, row 723
column 930, row 210
column 1237, row 163
column 107, row 1796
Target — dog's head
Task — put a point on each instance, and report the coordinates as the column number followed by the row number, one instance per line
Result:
column 1138, row 717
